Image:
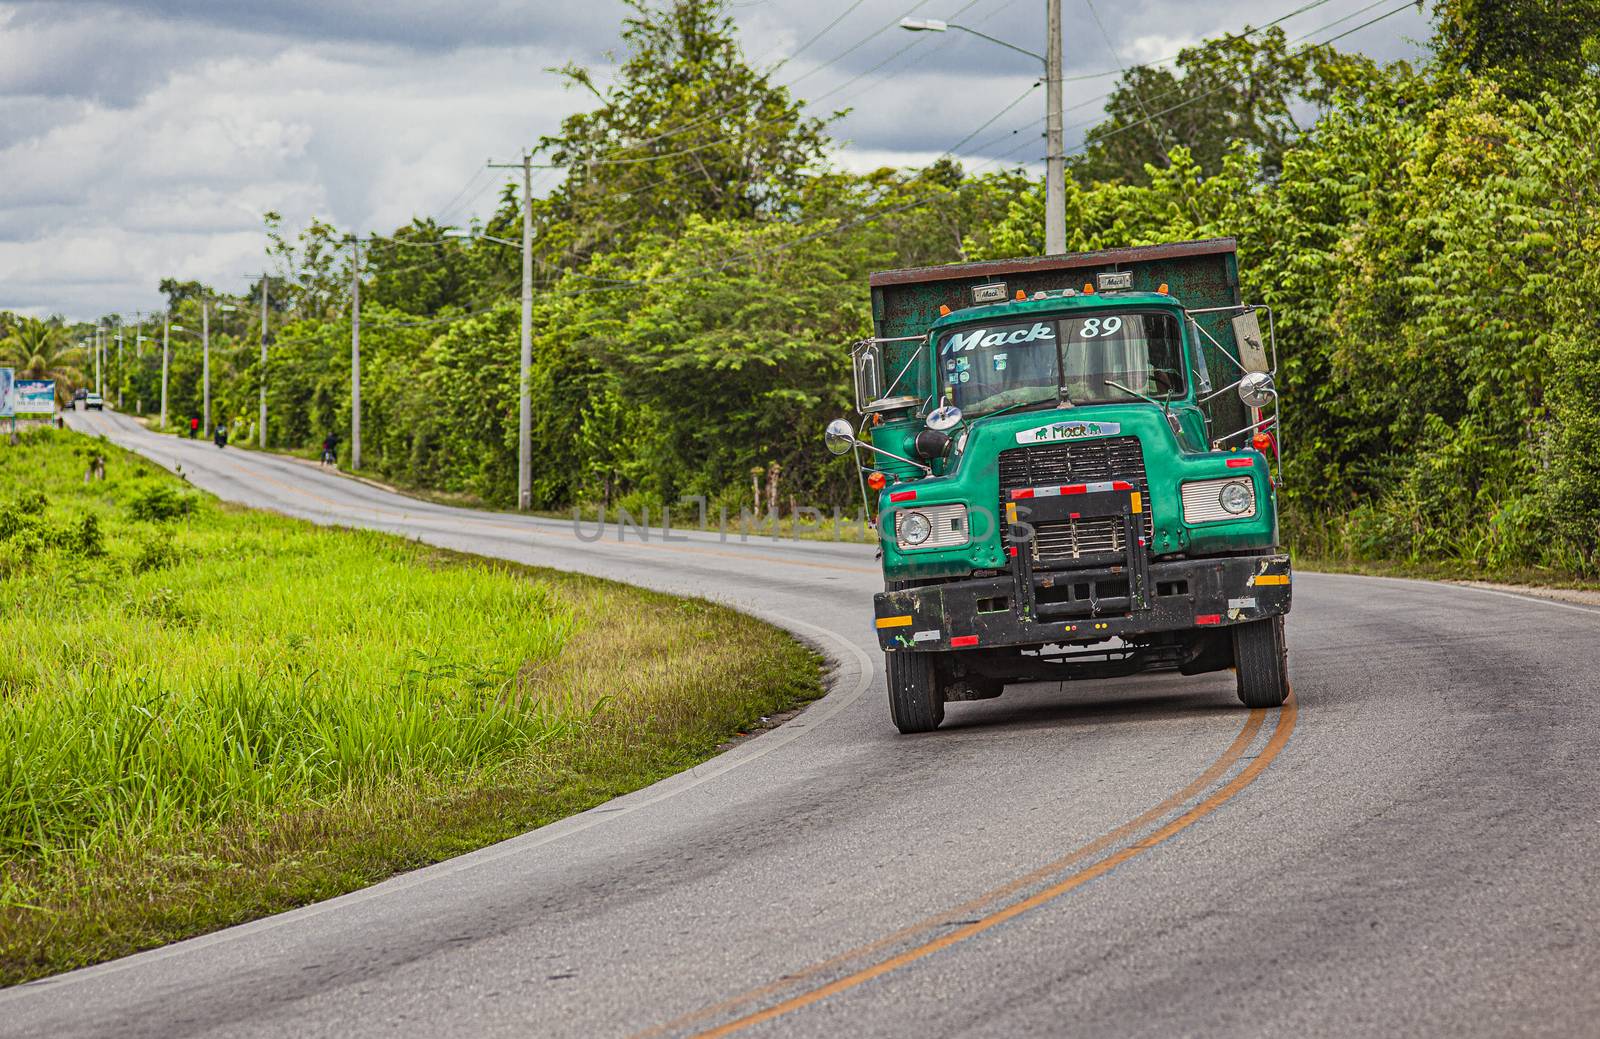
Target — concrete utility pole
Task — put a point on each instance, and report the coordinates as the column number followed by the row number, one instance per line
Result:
column 99, row 379
column 121, row 328
column 166, row 354
column 355, row 353
column 525, row 398
column 1055, row 161
column 205, row 360
column 262, row 421
column 1055, row 168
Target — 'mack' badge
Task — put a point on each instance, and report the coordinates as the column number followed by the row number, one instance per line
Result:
column 1058, row 431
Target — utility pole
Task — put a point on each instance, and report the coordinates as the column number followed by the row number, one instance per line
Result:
column 138, row 353
column 355, row 353
column 525, row 400
column 99, row 379
column 262, row 421
column 166, row 352
column 121, row 328
column 1055, row 162
column 205, row 360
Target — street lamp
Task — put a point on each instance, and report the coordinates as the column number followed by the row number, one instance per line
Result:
column 167, row 328
column 1055, row 182
column 525, row 365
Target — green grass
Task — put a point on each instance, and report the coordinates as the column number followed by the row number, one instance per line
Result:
column 208, row 714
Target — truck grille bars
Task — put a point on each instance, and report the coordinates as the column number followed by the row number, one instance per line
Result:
column 1090, row 540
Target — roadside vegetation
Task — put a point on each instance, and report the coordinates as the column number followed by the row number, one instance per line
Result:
column 208, row 714
column 1424, row 232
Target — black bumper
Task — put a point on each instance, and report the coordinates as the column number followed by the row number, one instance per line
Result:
column 1180, row 595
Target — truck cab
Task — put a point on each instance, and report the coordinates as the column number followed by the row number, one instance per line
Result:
column 1075, row 460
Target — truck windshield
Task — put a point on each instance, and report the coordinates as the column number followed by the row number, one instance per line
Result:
column 1141, row 350
column 988, row 367
column 1006, row 364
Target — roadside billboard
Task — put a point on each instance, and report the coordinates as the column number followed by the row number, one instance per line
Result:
column 33, row 396
column 6, row 393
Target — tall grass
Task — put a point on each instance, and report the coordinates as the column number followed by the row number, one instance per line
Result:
column 182, row 677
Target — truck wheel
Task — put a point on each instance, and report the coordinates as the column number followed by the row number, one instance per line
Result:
column 1260, row 658
column 916, row 703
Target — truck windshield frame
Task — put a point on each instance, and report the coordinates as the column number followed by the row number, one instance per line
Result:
column 983, row 367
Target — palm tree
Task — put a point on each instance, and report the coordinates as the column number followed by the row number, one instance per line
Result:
column 40, row 350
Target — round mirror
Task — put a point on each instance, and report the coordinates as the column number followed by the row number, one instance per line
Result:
column 839, row 436
column 946, row 416
column 1255, row 389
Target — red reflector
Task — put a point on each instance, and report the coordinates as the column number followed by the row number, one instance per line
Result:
column 1074, row 488
column 1025, row 493
column 1073, row 515
column 876, row 481
column 1241, row 463
column 1118, row 485
column 963, row 640
column 1208, row 618
column 1011, row 550
column 912, row 495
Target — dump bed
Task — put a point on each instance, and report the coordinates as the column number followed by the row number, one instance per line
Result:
column 1199, row 275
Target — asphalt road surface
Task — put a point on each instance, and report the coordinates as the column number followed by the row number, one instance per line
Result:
column 1411, row 847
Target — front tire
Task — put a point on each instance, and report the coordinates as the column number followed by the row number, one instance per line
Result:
column 916, row 701
column 1261, row 662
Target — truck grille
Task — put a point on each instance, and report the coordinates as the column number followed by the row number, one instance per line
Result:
column 1085, row 542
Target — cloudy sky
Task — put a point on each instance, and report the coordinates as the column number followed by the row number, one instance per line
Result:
column 145, row 138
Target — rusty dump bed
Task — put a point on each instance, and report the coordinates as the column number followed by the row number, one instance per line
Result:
column 1198, row 274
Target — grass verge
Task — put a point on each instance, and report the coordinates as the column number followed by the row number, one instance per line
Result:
column 209, row 714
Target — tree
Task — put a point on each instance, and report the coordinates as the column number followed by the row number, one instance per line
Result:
column 687, row 128
column 41, row 350
column 418, row 269
column 1526, row 45
column 1234, row 89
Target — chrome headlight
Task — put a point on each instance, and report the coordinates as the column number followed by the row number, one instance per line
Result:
column 912, row 528
column 1236, row 498
column 1211, row 501
column 932, row 526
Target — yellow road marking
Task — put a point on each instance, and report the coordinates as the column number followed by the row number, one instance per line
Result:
column 1248, row 775
column 1213, row 772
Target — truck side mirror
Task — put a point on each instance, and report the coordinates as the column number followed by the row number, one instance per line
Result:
column 1255, row 389
column 839, row 436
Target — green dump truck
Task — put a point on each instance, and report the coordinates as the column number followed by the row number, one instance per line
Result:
column 1076, row 460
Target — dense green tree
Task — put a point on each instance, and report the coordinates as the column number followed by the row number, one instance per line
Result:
column 1236, row 89
column 1526, row 45
column 687, row 127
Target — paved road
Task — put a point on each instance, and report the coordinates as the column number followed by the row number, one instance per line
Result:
column 1412, row 848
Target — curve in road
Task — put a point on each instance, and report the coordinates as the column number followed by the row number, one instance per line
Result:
column 1141, row 857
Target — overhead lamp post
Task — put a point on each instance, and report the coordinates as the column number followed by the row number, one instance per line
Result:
column 525, row 399
column 1055, row 163
column 167, row 328
column 524, row 396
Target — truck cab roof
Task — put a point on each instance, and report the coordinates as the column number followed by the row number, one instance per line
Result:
column 1054, row 303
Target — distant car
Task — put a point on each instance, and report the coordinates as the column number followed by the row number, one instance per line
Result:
column 72, row 405
column 93, row 402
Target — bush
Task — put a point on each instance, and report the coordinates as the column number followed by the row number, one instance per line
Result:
column 159, row 503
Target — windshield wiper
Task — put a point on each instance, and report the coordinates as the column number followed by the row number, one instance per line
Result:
column 1135, row 393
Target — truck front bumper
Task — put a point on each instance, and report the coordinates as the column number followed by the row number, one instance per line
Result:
column 1179, row 595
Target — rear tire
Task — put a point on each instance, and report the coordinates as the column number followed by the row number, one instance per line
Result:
column 1260, row 657
column 916, row 701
